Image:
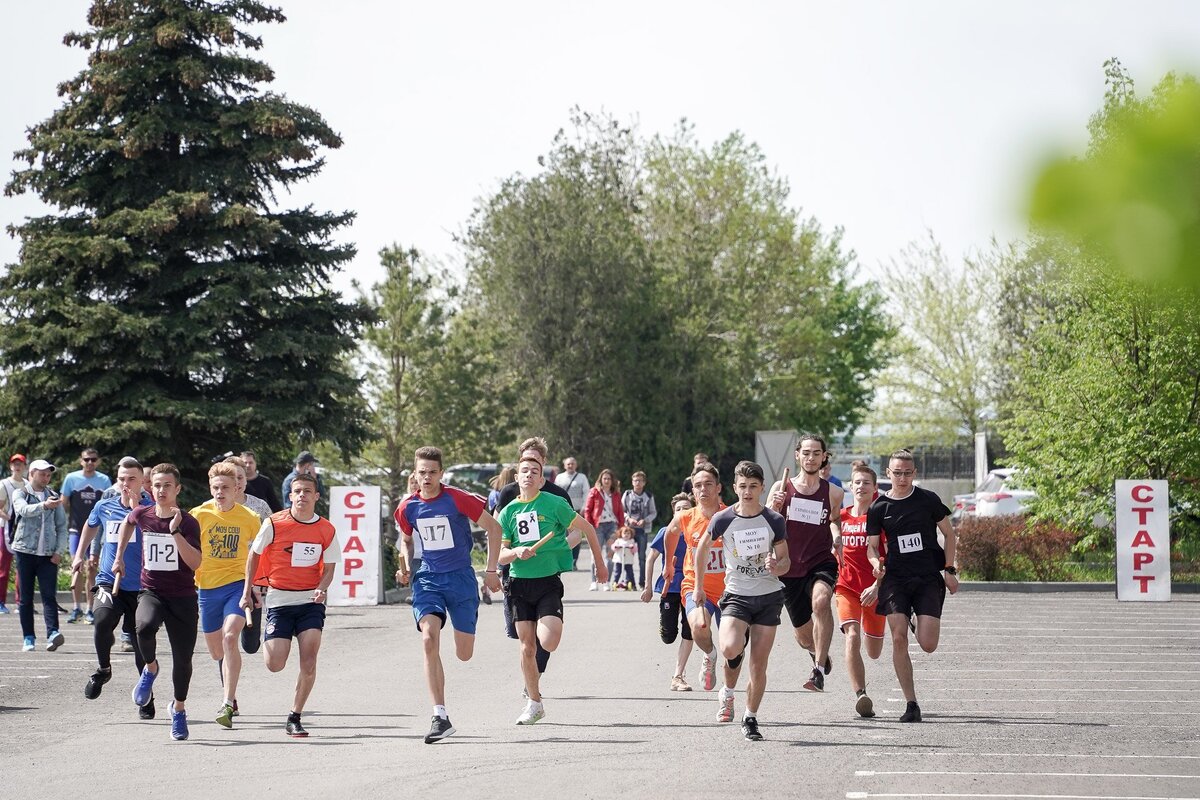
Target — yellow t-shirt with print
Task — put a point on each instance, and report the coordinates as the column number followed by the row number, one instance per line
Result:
column 225, row 539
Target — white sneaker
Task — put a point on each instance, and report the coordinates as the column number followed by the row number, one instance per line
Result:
column 725, row 709
column 532, row 713
column 592, row 586
column 708, row 671
column 605, row 587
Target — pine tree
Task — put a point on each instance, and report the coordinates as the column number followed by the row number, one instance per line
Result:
column 170, row 307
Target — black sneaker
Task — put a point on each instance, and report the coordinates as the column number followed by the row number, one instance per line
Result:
column 863, row 704
column 816, row 683
column 750, row 729
column 147, row 711
column 95, row 683
column 912, row 713
column 828, row 662
column 294, row 728
column 440, row 729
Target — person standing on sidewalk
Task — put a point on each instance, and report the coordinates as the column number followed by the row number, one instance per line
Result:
column 640, row 514
column 38, row 547
column 8, row 526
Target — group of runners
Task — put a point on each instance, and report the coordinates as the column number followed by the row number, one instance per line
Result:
column 728, row 572
column 741, row 566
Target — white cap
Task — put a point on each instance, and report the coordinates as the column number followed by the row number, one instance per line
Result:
column 42, row 463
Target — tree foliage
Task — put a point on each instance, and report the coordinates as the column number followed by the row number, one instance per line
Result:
column 169, row 307
column 657, row 297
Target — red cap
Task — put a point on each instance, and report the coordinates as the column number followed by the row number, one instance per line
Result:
column 18, row 457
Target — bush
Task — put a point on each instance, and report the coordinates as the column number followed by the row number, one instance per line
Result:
column 992, row 548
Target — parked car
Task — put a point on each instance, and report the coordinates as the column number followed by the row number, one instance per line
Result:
column 999, row 495
column 471, row 477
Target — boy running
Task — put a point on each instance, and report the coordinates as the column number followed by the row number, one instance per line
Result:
column 226, row 532
column 754, row 540
column 857, row 589
column 535, row 542
column 672, row 621
column 170, row 554
column 444, row 586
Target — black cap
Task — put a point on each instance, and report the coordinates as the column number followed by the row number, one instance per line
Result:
column 305, row 457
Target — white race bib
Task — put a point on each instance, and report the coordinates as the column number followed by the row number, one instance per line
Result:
column 751, row 542
column 435, row 533
column 716, row 560
column 911, row 543
column 528, row 531
column 159, row 553
column 305, row 554
column 808, row 511
column 112, row 531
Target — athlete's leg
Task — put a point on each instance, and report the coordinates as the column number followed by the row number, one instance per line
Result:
column 822, row 619
column 549, row 632
column 874, row 646
column 431, row 639
column 527, row 634
column 181, row 620
column 762, row 639
column 231, row 667
column 91, row 581
column 276, row 652
column 854, row 663
column 127, row 607
column 309, row 645
column 104, row 630
column 701, row 623
column 732, row 635
column 149, row 618
column 929, row 630
column 898, row 625
column 464, row 645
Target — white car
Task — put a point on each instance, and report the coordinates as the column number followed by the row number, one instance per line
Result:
column 997, row 496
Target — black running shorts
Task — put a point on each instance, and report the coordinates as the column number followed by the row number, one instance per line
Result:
column 534, row 598
column 797, row 592
column 923, row 595
column 753, row 609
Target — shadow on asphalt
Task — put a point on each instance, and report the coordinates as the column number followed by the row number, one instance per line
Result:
column 9, row 709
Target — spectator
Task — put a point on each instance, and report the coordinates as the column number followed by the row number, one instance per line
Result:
column 603, row 509
column 697, row 460
column 38, row 546
column 82, row 488
column 826, row 472
column 8, row 490
column 575, row 484
column 624, row 554
column 306, row 464
column 639, row 515
column 501, row 479
column 259, row 485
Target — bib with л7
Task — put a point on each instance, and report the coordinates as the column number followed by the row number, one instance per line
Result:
column 434, row 533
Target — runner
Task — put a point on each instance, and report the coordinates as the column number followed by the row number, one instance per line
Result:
column 813, row 508
column 535, row 542
column 702, row 616
column 121, row 607
column 672, row 621
column 252, row 630
column 226, row 531
column 295, row 553
column 754, row 539
column 445, row 583
column 170, row 554
column 910, row 517
column 82, row 488
column 857, row 588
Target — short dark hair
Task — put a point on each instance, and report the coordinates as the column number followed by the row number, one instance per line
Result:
column 250, row 453
column 304, row 477
column 167, row 469
column 748, row 469
column 709, row 468
column 89, row 451
column 903, row 454
column 534, row 443
column 684, row 497
column 428, row 453
column 811, row 437
column 129, row 462
column 861, row 466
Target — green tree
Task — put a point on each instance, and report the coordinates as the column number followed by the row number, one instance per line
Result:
column 169, row 307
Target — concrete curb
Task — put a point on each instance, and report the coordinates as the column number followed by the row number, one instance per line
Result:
column 1021, row 587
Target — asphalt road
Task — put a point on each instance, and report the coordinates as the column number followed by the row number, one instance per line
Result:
column 1030, row 696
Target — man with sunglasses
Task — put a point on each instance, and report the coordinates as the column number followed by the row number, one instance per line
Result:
column 83, row 489
column 911, row 517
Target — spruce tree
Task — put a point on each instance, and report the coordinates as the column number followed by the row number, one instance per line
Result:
column 171, row 307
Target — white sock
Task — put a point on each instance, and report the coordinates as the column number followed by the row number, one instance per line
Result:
column 440, row 711
column 748, row 714
column 726, row 692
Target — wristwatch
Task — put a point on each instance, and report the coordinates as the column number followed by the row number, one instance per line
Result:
column 951, row 570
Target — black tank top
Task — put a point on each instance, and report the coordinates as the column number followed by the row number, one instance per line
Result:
column 810, row 540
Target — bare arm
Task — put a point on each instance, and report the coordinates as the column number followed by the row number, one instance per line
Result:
column 700, row 559
column 190, row 555
column 670, row 542
column 651, row 558
column 589, row 530
column 779, row 562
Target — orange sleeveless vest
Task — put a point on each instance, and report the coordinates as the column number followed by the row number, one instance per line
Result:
column 293, row 561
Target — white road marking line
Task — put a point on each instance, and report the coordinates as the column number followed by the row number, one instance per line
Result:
column 865, row 773
column 955, row 679
column 1036, row 755
column 865, row 795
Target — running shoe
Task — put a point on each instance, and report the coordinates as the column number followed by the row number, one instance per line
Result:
column 143, row 689
column 604, row 587
column 236, row 713
column 4, row 609
column 28, row 645
column 725, row 710
column 912, row 713
column 89, row 618
column 439, row 729
column 533, row 712
column 126, row 643
column 816, row 682
column 74, row 616
column 294, row 729
column 863, row 705
column 708, row 671
column 147, row 711
column 485, row 597
column 828, row 662
column 750, row 729
column 179, row 728
column 95, row 683
column 225, row 716
column 592, row 586
column 678, row 684
column 56, row 641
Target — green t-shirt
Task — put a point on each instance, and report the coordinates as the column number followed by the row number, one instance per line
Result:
column 524, row 523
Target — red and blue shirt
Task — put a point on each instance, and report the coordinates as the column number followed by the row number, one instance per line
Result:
column 443, row 525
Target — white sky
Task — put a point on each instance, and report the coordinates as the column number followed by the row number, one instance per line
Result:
column 886, row 118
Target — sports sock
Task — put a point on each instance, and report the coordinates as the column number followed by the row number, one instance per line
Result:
column 726, row 692
column 748, row 714
column 440, row 711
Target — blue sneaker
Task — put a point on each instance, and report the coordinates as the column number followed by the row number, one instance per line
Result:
column 179, row 729
column 4, row 609
column 143, row 689
column 55, row 641
column 29, row 645
column 75, row 616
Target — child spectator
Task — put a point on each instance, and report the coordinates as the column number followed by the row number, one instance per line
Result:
column 624, row 556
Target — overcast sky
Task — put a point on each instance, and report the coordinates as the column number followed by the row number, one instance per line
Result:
column 886, row 118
